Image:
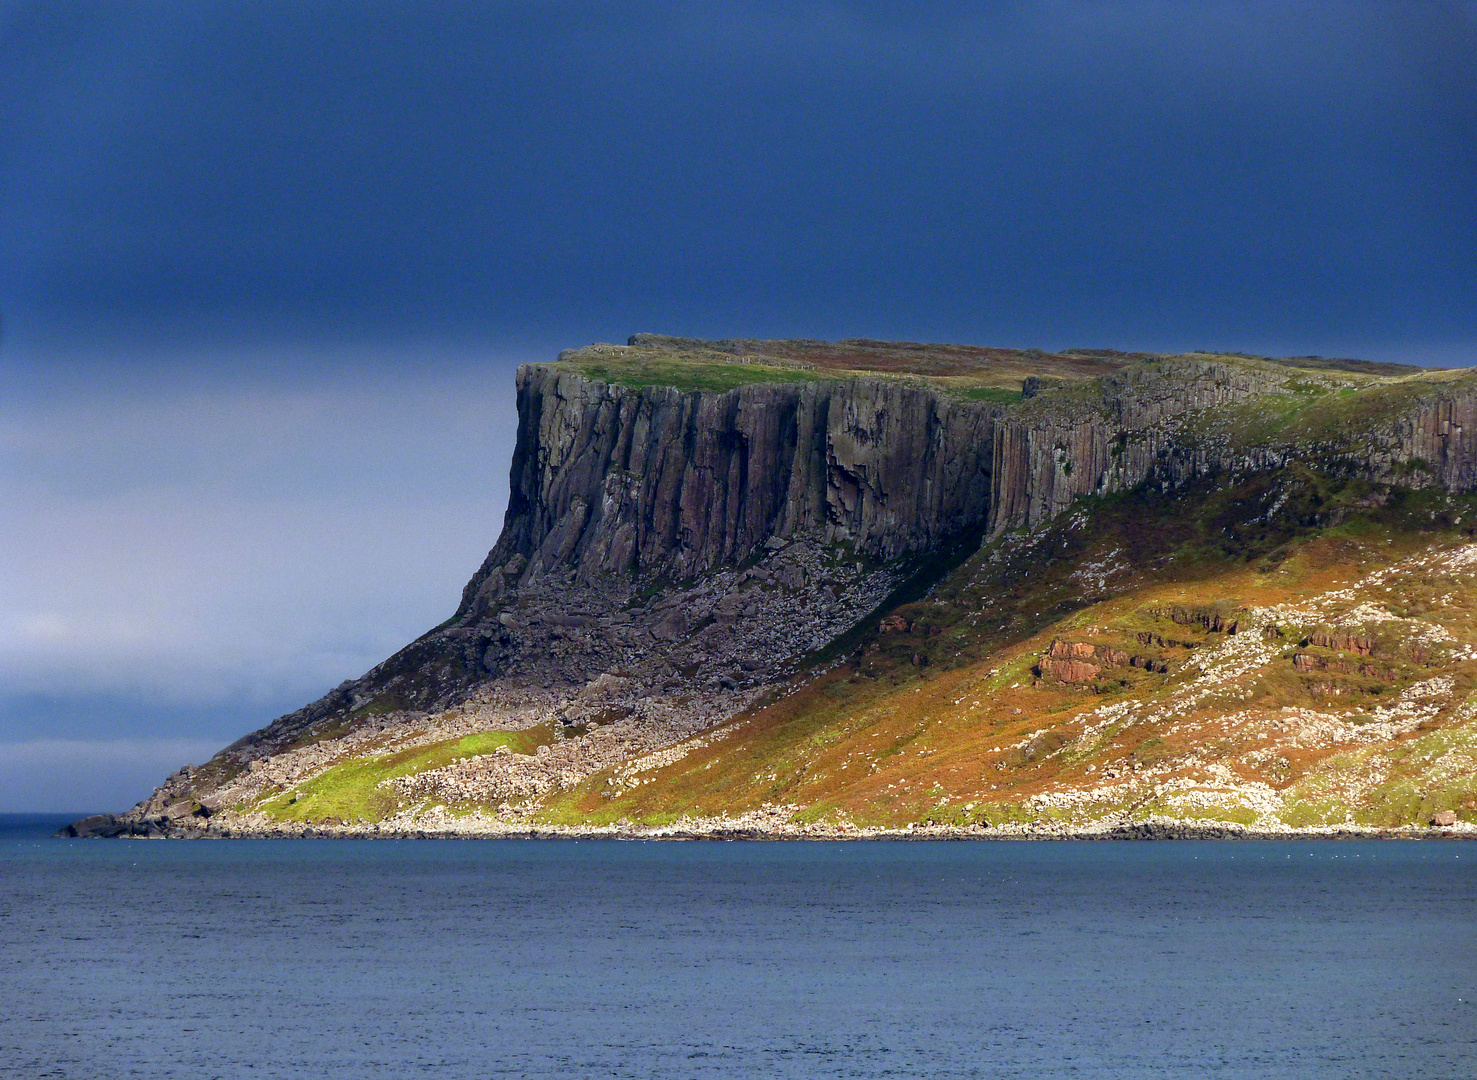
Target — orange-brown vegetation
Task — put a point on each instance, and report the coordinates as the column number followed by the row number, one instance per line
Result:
column 1321, row 677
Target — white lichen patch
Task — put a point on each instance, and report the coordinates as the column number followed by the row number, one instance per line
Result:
column 1096, row 575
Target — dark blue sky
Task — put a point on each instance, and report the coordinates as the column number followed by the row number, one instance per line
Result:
column 265, row 270
column 1240, row 175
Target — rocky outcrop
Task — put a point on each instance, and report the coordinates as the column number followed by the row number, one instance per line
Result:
column 1307, row 663
column 1341, row 641
column 1111, row 434
column 612, row 481
column 1082, row 661
column 1213, row 619
column 1408, row 436
column 111, row 826
column 1173, row 420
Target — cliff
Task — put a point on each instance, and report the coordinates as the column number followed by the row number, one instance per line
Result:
column 693, row 526
column 1172, row 421
column 612, row 481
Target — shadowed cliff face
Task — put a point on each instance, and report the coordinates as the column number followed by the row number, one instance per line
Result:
column 612, row 481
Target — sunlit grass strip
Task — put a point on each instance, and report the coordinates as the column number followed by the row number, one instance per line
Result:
column 351, row 790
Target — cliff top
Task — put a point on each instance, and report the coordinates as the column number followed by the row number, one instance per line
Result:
column 974, row 371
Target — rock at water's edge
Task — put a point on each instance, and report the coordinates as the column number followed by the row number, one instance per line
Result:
column 107, row 826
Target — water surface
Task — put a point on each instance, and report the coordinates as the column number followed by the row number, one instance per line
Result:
column 322, row 958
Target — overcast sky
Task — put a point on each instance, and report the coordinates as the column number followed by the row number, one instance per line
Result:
column 266, row 270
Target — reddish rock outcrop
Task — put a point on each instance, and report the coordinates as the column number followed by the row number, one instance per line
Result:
column 1307, row 663
column 1214, row 620
column 1342, row 641
column 1069, row 671
column 1071, row 650
column 1082, row 661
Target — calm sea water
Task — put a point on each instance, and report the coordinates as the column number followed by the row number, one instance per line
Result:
column 455, row 959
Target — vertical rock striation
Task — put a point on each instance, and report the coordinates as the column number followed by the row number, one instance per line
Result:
column 613, row 481
column 609, row 480
column 1174, row 420
column 1112, row 434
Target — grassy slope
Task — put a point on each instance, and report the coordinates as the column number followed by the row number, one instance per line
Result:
column 975, row 736
column 351, row 791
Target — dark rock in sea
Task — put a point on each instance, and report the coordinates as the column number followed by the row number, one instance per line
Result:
column 107, row 826
column 1163, row 830
column 97, row 825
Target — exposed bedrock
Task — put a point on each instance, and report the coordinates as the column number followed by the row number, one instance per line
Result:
column 1109, row 435
column 1439, row 437
column 611, row 481
column 1171, row 421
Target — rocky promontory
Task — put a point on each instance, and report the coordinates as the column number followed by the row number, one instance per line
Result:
column 706, row 536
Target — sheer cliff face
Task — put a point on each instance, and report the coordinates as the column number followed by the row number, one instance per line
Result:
column 612, row 481
column 1114, row 434
column 1173, row 421
column 1435, row 443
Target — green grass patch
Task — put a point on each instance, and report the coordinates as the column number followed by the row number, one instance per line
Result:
column 998, row 395
column 350, row 790
column 688, row 375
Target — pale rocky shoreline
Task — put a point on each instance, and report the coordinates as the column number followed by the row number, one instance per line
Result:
column 763, row 827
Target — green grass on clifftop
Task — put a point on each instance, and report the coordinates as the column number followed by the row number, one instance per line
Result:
column 974, row 373
column 687, row 375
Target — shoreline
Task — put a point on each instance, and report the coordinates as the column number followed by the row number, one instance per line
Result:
column 107, row 826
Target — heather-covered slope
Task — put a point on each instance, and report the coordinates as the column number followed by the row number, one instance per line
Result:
column 1276, row 654
column 887, row 583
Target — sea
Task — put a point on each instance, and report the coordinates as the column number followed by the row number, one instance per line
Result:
column 602, row 958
